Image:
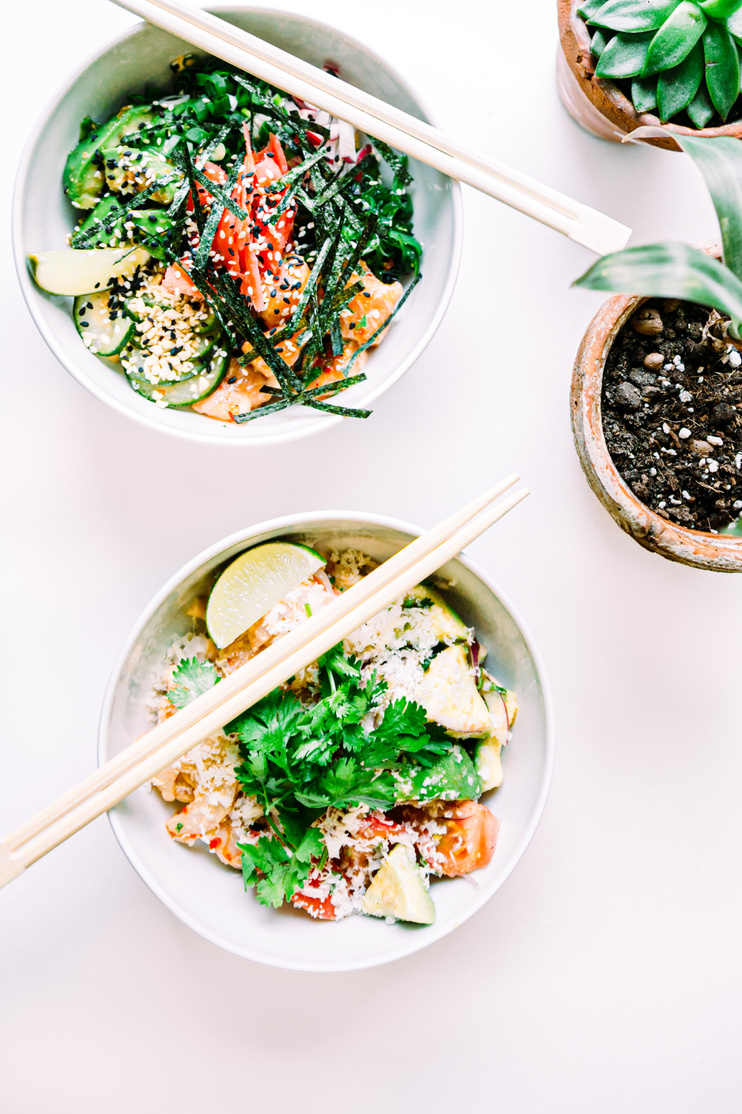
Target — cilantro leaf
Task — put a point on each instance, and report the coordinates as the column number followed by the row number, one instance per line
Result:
column 192, row 678
column 276, row 873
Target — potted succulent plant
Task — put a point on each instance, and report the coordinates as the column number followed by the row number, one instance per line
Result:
column 657, row 385
column 625, row 64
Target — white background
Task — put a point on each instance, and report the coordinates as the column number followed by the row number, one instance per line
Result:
column 605, row 975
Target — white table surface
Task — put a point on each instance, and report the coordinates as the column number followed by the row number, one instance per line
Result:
column 606, row 974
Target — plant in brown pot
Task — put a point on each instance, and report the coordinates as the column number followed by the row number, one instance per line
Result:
column 657, row 386
column 629, row 63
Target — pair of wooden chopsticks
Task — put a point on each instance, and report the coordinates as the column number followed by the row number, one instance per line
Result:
column 171, row 739
column 580, row 223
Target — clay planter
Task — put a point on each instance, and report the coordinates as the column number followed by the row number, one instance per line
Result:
column 597, row 104
column 718, row 552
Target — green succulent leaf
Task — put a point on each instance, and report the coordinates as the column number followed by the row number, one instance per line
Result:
column 669, row 271
column 676, row 38
column 598, row 43
column 735, row 528
column 624, row 56
column 722, row 68
column 586, row 10
column 700, row 108
column 644, row 94
column 720, row 9
column 720, row 162
column 677, row 87
column 734, row 25
column 631, row 15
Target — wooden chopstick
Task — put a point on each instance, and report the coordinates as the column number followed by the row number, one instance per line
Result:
column 248, row 673
column 579, row 222
column 171, row 739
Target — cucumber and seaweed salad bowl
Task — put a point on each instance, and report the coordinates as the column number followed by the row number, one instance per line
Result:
column 215, row 159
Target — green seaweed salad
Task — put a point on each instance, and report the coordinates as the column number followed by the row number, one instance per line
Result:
column 261, row 249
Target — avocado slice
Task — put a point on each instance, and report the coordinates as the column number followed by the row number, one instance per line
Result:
column 398, row 890
column 488, row 764
column 102, row 212
column 449, row 694
column 442, row 619
column 82, row 178
column 453, row 777
column 487, row 756
column 131, row 170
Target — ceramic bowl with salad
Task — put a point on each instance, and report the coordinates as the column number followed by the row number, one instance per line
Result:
column 220, row 260
column 373, row 802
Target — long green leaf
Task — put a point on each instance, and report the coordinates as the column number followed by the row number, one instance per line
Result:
column 676, row 38
column 631, row 15
column 669, row 271
column 677, row 87
column 624, row 56
column 722, row 68
column 720, row 162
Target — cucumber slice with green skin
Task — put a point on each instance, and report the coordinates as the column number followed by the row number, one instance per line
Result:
column 201, row 349
column 83, row 179
column 131, row 361
column 101, row 334
column 185, row 392
column 83, row 270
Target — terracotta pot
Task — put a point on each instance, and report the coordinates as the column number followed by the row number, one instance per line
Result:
column 718, row 552
column 597, row 104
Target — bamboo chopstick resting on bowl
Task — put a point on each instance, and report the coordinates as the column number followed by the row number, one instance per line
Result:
column 579, row 222
column 171, row 739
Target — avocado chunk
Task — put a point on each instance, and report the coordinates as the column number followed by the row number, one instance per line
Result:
column 441, row 618
column 130, row 170
column 488, row 763
column 453, row 777
column 449, row 694
column 398, row 890
column 104, row 225
column 83, row 179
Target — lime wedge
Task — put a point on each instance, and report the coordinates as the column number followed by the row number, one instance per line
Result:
column 254, row 583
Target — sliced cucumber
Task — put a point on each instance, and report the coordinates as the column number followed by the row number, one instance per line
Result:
column 101, row 334
column 185, row 392
column 132, row 357
column 82, row 270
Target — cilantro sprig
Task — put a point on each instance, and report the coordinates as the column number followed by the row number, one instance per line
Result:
column 192, row 678
column 339, row 752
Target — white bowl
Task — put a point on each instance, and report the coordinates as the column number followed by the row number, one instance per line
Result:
column 42, row 218
column 209, row 896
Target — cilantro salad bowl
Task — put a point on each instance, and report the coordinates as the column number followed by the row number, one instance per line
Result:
column 43, row 219
column 210, row 897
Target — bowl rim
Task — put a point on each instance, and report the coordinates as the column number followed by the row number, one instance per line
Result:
column 29, row 290
column 415, row 942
